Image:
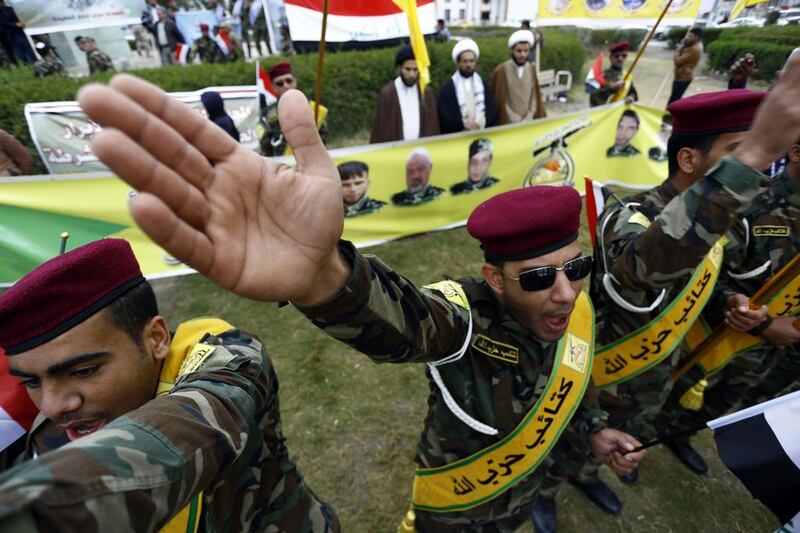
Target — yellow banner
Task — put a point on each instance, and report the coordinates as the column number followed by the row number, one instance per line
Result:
column 614, row 144
column 651, row 344
column 487, row 474
column 785, row 303
column 616, row 9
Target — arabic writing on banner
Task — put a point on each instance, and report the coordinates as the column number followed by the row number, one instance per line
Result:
column 62, row 133
column 48, row 16
column 616, row 9
column 615, row 143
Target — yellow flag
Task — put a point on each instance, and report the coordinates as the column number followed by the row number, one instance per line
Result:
column 417, row 42
column 740, row 6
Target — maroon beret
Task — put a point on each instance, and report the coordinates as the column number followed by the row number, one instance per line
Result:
column 718, row 112
column 203, row 26
column 526, row 223
column 622, row 46
column 64, row 291
column 281, row 69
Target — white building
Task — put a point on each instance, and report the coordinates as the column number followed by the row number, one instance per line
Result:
column 475, row 11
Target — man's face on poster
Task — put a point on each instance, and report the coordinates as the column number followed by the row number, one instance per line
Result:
column 626, row 130
column 479, row 166
column 418, row 173
column 354, row 188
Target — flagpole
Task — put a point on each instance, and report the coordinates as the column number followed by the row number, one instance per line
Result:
column 646, row 42
column 320, row 62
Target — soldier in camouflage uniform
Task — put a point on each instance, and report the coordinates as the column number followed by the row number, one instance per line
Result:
column 355, row 183
column 504, row 335
column 648, row 246
column 98, row 61
column 481, row 153
column 49, row 64
column 770, row 236
column 258, row 23
column 418, row 180
column 207, row 48
column 271, row 139
column 156, row 422
column 600, row 93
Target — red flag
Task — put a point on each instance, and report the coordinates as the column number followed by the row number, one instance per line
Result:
column 16, row 408
column 182, row 53
column 264, row 85
column 595, row 76
column 595, row 202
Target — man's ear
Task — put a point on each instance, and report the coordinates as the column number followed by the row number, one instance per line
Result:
column 794, row 153
column 493, row 277
column 689, row 160
column 157, row 338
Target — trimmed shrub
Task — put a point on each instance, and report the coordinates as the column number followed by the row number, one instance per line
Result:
column 352, row 80
column 769, row 57
column 788, row 35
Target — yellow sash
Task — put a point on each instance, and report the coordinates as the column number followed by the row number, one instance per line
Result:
column 785, row 303
column 488, row 473
column 649, row 345
column 186, row 355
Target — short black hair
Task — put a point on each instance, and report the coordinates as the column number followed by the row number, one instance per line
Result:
column 525, row 24
column 351, row 169
column 632, row 114
column 440, row 21
column 697, row 31
column 133, row 310
column 702, row 143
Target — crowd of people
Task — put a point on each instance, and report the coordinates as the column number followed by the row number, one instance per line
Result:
column 534, row 382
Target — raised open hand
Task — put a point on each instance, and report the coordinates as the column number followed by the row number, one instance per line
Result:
column 259, row 228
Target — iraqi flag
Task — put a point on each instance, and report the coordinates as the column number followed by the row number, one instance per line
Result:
column 596, row 195
column 182, row 53
column 264, row 85
column 761, row 445
column 223, row 42
column 356, row 20
column 16, row 409
column 594, row 78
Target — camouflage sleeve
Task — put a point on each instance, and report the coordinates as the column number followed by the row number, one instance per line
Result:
column 144, row 467
column 643, row 255
column 384, row 316
column 590, row 417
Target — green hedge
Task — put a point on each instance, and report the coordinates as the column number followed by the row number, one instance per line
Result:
column 769, row 57
column 352, row 80
column 788, row 35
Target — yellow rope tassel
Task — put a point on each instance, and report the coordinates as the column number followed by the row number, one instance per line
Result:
column 407, row 525
column 693, row 398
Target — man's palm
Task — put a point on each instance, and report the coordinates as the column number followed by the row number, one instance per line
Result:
column 259, row 228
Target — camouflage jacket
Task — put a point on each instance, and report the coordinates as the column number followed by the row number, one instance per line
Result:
column 468, row 186
column 271, row 140
column 218, row 430
column 98, row 61
column 625, row 150
column 364, row 206
column 48, row 66
column 384, row 316
column 600, row 96
column 656, row 245
column 208, row 50
column 427, row 194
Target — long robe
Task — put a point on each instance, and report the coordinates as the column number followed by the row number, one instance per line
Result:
column 388, row 123
column 503, row 76
column 450, row 120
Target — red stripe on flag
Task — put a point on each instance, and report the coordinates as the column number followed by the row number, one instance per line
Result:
column 14, row 397
column 597, row 69
column 591, row 209
column 355, row 8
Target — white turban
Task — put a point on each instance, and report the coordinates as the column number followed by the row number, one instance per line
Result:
column 465, row 45
column 520, row 36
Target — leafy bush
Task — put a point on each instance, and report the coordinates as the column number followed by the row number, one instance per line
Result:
column 769, row 57
column 352, row 80
column 788, row 35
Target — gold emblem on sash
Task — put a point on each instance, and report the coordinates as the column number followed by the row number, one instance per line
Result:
column 649, row 345
column 488, row 473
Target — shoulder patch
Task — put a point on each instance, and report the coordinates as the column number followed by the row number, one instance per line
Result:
column 196, row 358
column 640, row 219
column 498, row 350
column 452, row 291
column 771, row 231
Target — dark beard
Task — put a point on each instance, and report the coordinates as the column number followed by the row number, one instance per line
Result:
column 466, row 75
column 518, row 63
column 413, row 82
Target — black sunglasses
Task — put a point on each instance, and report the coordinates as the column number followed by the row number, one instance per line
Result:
column 623, row 56
column 285, row 81
column 540, row 278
